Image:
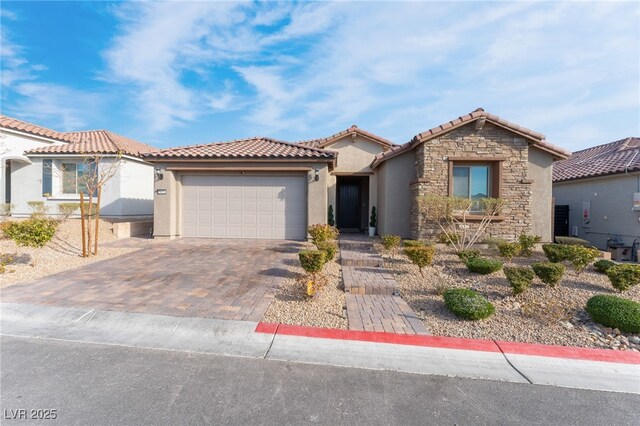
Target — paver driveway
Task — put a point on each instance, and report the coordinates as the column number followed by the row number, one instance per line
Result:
column 225, row 279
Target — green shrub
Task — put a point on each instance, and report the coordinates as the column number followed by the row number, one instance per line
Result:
column 509, row 250
column 37, row 208
column 494, row 241
column 34, row 232
column 556, row 252
column 331, row 219
column 549, row 273
column 413, row 243
column 527, row 243
column 468, row 304
column 443, row 239
column 603, row 265
column 67, row 209
column 329, row 248
column 320, row 233
column 312, row 261
column 390, row 241
column 484, row 266
column 468, row 254
column 623, row 277
column 420, row 256
column 615, row 312
column 373, row 219
column 573, row 241
column 581, row 257
column 519, row 278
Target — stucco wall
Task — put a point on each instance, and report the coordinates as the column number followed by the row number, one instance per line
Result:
column 12, row 146
column 611, row 200
column 354, row 157
column 132, row 177
column 541, row 175
column 394, row 194
column 168, row 208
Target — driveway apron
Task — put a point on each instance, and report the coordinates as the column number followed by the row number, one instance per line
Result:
column 224, row 279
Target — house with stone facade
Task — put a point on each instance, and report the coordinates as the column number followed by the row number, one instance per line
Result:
column 265, row 188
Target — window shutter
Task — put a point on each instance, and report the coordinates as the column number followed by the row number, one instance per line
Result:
column 46, row 177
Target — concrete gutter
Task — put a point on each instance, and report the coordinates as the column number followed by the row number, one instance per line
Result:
column 479, row 359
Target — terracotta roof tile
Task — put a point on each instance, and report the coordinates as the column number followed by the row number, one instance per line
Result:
column 23, row 126
column 536, row 138
column 321, row 142
column 611, row 158
column 252, row 148
column 97, row 142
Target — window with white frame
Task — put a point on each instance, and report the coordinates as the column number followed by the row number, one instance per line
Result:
column 74, row 177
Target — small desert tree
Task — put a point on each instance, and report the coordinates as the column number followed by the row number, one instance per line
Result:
column 453, row 214
column 99, row 169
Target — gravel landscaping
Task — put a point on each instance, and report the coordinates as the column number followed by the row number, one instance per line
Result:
column 539, row 315
column 291, row 306
column 60, row 254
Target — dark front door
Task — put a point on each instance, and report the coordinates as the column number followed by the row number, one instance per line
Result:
column 7, row 182
column 349, row 200
column 561, row 221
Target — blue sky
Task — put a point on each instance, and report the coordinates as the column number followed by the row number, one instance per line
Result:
column 177, row 73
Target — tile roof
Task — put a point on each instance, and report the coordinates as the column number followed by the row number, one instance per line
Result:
column 251, row 148
column 538, row 139
column 97, row 142
column 353, row 130
column 23, row 126
column 611, row 158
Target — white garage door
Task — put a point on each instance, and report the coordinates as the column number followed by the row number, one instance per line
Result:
column 270, row 207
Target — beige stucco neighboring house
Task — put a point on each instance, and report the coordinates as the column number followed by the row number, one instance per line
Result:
column 597, row 191
column 264, row 188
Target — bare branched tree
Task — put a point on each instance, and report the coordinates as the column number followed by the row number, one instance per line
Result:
column 462, row 220
column 98, row 170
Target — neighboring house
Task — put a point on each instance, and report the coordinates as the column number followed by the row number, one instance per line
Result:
column 600, row 186
column 264, row 188
column 52, row 172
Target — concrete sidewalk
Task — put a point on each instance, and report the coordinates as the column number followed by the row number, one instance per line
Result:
column 239, row 338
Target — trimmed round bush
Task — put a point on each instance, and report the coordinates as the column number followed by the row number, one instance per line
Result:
column 520, row 278
column 623, row 277
column 581, row 257
column 468, row 304
column 603, row 265
column 573, row 241
column 556, row 252
column 321, row 232
column 329, row 248
column 420, row 256
column 443, row 239
column 484, row 266
column 312, row 261
column 390, row 241
column 413, row 243
column 468, row 254
column 509, row 250
column 615, row 312
column 549, row 273
column 527, row 243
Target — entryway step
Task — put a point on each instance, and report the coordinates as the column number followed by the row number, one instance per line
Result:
column 368, row 280
column 388, row 314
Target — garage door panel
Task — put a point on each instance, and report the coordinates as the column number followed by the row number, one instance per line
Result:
column 271, row 207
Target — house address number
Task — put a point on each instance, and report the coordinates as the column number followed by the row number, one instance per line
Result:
column 161, row 191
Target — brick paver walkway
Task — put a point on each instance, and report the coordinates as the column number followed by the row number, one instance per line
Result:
column 371, row 303
column 224, row 279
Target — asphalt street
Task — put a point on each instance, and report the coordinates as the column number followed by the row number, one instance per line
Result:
column 104, row 384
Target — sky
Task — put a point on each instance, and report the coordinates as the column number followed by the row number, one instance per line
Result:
column 180, row 73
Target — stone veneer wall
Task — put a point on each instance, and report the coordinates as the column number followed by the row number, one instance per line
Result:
column 432, row 171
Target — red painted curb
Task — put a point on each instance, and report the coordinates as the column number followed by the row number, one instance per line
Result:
column 380, row 337
column 516, row 348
